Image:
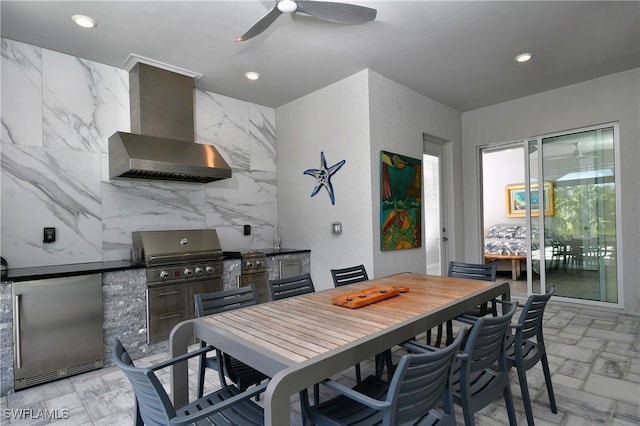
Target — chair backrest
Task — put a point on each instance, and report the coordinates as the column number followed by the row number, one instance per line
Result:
column 485, row 344
column 226, row 300
column 291, row 286
column 152, row 401
column 473, row 271
column 350, row 275
column 531, row 315
column 420, row 382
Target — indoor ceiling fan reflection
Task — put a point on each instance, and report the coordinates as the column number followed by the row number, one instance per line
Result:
column 341, row 13
column 577, row 153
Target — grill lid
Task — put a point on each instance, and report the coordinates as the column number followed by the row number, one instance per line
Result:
column 175, row 246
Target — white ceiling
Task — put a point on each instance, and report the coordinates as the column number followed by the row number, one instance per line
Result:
column 460, row 53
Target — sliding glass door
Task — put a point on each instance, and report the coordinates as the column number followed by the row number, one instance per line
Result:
column 560, row 198
column 580, row 236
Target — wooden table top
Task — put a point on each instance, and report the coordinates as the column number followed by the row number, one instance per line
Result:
column 301, row 340
column 306, row 326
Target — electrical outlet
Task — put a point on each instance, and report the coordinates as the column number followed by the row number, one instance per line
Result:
column 49, row 235
column 247, row 229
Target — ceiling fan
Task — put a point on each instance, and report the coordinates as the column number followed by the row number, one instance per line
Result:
column 577, row 153
column 341, row 13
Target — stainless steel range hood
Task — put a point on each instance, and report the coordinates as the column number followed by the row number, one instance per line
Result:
column 161, row 145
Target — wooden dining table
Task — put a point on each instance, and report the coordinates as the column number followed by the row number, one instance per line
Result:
column 302, row 340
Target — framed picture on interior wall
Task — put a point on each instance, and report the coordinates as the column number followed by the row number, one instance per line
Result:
column 400, row 202
column 516, row 200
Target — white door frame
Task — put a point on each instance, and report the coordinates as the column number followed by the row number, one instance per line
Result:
column 435, row 146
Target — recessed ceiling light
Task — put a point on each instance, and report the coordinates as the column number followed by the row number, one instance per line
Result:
column 252, row 75
column 84, row 21
column 524, row 57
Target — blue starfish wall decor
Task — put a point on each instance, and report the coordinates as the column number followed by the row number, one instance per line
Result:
column 323, row 174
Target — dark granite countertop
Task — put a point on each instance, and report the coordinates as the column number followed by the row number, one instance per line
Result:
column 236, row 254
column 55, row 271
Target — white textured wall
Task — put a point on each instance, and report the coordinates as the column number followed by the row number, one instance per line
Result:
column 500, row 168
column 607, row 99
column 354, row 119
column 335, row 120
column 399, row 116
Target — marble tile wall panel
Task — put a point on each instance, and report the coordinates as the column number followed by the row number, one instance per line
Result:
column 262, row 138
column 68, row 107
column 246, row 198
column 222, row 121
column 84, row 102
column 138, row 205
column 21, row 93
column 50, row 188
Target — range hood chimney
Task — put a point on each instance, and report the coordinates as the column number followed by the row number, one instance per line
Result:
column 161, row 144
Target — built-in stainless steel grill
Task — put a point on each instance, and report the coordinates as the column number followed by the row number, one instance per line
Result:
column 254, row 270
column 180, row 264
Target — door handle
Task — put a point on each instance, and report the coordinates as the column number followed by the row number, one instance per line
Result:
column 16, row 314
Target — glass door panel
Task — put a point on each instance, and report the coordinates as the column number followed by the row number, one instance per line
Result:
column 580, row 236
column 433, row 227
column 535, row 262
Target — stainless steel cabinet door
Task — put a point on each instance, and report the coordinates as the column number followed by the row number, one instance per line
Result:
column 57, row 328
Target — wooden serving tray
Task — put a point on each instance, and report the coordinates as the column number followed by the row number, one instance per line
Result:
column 367, row 296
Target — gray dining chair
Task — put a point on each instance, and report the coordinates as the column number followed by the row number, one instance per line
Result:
column 468, row 271
column 290, row 286
column 226, row 406
column 525, row 348
column 350, row 275
column 419, row 392
column 238, row 372
column 476, row 383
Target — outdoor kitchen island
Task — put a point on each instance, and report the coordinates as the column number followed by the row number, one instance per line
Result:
column 124, row 302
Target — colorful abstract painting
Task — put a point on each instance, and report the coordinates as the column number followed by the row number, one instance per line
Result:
column 400, row 202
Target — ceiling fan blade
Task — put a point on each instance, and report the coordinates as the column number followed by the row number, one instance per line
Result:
column 340, row 13
column 261, row 25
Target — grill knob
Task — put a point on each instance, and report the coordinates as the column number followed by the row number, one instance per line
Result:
column 164, row 274
column 188, row 271
column 199, row 270
column 210, row 269
column 249, row 264
column 259, row 263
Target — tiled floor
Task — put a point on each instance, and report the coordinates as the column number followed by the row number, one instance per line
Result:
column 594, row 357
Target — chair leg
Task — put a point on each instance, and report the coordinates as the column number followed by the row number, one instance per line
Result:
column 526, row 400
column 383, row 360
column 389, row 361
column 358, row 374
column 201, row 369
column 511, row 410
column 449, row 333
column 438, row 337
column 138, row 421
column 547, row 379
column 468, row 415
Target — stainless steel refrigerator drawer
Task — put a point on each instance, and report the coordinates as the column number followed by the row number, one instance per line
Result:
column 57, row 328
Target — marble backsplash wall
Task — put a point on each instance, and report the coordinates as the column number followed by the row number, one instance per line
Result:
column 58, row 112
